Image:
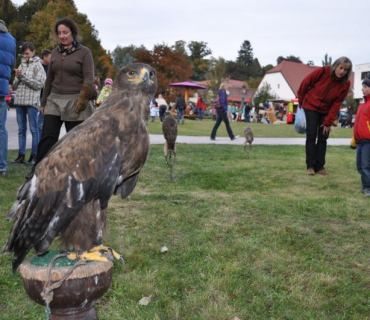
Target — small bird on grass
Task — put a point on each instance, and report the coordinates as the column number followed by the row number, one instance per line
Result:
column 248, row 140
column 169, row 129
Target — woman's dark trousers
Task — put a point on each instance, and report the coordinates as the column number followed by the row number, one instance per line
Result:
column 50, row 134
column 162, row 111
column 315, row 140
column 222, row 117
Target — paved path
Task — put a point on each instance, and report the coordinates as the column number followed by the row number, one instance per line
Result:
column 12, row 128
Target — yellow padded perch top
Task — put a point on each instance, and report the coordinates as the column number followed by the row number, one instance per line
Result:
column 32, row 272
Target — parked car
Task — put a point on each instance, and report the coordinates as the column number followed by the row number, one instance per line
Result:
column 343, row 119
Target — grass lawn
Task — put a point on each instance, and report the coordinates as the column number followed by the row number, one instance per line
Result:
column 253, row 239
column 204, row 128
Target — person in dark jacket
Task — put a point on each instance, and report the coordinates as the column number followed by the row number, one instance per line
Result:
column 361, row 133
column 222, row 114
column 7, row 60
column 321, row 95
column 247, row 110
column 180, row 106
column 350, row 114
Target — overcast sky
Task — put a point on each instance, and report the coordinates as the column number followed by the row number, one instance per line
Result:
column 307, row 29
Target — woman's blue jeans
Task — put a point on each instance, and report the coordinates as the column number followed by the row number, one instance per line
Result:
column 200, row 114
column 32, row 113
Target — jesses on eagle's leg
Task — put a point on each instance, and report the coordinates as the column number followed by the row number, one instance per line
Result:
column 90, row 238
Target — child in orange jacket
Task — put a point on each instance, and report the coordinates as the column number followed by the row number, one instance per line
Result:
column 361, row 132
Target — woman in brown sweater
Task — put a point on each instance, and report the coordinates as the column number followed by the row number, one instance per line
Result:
column 68, row 87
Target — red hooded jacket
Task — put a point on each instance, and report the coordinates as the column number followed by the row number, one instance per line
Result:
column 361, row 130
column 323, row 93
column 201, row 105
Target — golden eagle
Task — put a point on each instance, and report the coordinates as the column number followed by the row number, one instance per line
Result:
column 169, row 129
column 69, row 192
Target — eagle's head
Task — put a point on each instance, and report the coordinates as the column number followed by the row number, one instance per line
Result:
column 137, row 77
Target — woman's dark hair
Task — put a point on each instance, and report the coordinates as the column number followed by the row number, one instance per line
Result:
column 27, row 45
column 342, row 60
column 69, row 24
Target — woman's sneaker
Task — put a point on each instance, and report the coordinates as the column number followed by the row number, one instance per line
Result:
column 367, row 192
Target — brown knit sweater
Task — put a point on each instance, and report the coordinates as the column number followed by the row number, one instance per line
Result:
column 67, row 74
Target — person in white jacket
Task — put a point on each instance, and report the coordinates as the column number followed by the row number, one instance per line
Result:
column 153, row 110
column 163, row 106
column 29, row 80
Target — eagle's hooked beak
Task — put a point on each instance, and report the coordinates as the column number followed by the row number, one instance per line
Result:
column 144, row 75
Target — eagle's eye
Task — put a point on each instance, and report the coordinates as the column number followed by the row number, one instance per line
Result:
column 151, row 74
column 130, row 73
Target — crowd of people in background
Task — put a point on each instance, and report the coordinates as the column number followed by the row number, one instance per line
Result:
column 59, row 87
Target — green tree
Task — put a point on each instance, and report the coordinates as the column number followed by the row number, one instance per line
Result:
column 10, row 15
column 289, row 58
column 254, row 70
column 263, row 95
column 215, row 75
column 267, row 68
column 180, row 46
column 123, row 56
column 253, row 83
column 245, row 54
column 198, row 52
column 327, row 61
column 8, row 12
column 30, row 8
column 236, row 70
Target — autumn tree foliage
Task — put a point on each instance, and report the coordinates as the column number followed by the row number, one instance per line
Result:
column 171, row 66
column 34, row 20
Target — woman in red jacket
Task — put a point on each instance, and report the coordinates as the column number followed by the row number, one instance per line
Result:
column 321, row 95
column 361, row 133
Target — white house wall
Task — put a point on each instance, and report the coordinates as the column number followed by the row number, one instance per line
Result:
column 279, row 86
column 360, row 71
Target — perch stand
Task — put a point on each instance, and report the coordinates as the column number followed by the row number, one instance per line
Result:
column 75, row 298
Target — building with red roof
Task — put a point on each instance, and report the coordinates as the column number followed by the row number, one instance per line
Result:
column 286, row 78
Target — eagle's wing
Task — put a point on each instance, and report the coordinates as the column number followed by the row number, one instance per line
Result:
column 86, row 165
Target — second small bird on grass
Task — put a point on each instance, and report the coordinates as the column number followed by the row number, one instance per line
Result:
column 169, row 129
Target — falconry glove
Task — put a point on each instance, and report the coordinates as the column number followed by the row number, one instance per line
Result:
column 87, row 93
